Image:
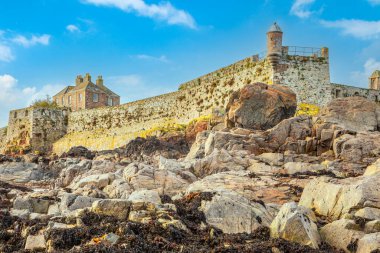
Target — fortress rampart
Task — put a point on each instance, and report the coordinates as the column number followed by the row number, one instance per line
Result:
column 305, row 70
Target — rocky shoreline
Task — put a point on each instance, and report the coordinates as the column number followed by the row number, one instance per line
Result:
column 309, row 184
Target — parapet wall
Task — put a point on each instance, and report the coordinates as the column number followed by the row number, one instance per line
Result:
column 308, row 77
column 341, row 90
column 111, row 127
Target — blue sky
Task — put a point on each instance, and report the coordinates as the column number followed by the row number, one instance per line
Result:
column 148, row 47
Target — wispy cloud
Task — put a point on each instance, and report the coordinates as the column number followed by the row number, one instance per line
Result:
column 374, row 2
column 164, row 11
column 32, row 41
column 6, row 54
column 361, row 29
column 146, row 57
column 72, row 28
column 361, row 77
column 9, row 40
column 13, row 96
column 301, row 8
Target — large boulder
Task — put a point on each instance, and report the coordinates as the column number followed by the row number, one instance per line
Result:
column 233, row 213
column 342, row 234
column 165, row 180
column 352, row 113
column 296, row 224
column 260, row 106
column 334, row 198
column 369, row 243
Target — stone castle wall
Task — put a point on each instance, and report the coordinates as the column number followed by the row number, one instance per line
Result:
column 19, row 129
column 308, row 77
column 3, row 138
column 341, row 90
column 111, row 127
column 48, row 126
column 34, row 128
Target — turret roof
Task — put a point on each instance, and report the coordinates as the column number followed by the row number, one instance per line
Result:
column 275, row 28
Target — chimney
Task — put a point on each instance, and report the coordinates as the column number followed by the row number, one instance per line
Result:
column 99, row 81
column 87, row 78
column 79, row 80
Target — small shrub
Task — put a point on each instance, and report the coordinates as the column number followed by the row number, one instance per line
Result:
column 44, row 103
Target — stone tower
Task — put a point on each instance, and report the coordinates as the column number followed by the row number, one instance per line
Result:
column 374, row 80
column 274, row 44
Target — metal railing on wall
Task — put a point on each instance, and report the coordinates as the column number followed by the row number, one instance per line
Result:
column 302, row 51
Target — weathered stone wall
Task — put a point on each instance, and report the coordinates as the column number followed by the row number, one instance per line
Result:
column 308, row 77
column 34, row 128
column 340, row 90
column 110, row 127
column 19, row 129
column 3, row 138
column 48, row 125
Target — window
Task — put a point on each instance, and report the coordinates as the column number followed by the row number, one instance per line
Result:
column 338, row 93
column 69, row 100
column 63, row 101
column 110, row 102
column 80, row 97
column 15, row 114
column 95, row 97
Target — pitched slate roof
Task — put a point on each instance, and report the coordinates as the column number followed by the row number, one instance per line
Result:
column 88, row 86
column 64, row 91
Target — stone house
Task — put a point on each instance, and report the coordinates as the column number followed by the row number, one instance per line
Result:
column 86, row 95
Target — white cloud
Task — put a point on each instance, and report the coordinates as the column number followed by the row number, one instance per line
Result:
column 301, row 8
column 164, row 11
column 361, row 77
column 161, row 58
column 374, row 2
column 72, row 28
column 357, row 28
column 6, row 54
column 34, row 40
column 14, row 96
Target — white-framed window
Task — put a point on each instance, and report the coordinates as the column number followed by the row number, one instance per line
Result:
column 69, row 100
column 95, row 97
column 110, row 102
